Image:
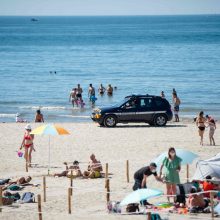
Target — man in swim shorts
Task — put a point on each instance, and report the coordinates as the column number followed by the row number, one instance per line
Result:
column 72, row 96
column 79, row 92
column 94, row 168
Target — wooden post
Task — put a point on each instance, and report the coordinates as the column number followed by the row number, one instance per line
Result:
column 44, row 186
column 149, row 216
column 26, row 166
column 212, row 204
column 187, row 173
column 71, row 182
column 127, row 170
column 69, row 200
column 1, row 201
column 39, row 206
column 107, row 190
column 106, row 171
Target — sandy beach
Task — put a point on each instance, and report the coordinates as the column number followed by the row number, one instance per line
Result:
column 137, row 143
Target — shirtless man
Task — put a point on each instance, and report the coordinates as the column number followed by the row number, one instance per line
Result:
column 94, row 168
column 91, row 92
column 79, row 92
column 109, row 90
column 72, row 96
column 176, row 104
column 39, row 116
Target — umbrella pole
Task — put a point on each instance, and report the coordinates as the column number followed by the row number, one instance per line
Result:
column 187, row 173
column 49, row 158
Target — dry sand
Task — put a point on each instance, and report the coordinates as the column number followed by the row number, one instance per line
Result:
column 138, row 143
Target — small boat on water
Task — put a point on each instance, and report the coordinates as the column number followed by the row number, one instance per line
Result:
column 34, row 19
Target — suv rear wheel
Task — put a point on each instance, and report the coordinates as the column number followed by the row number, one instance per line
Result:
column 160, row 120
column 110, row 121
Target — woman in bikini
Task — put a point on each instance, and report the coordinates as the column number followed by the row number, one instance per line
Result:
column 28, row 144
column 200, row 123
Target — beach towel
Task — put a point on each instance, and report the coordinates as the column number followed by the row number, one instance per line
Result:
column 15, row 187
column 27, row 197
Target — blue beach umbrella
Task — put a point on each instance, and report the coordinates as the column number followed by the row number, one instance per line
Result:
column 140, row 195
column 187, row 157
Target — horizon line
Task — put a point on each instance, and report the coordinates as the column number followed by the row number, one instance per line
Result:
column 111, row 15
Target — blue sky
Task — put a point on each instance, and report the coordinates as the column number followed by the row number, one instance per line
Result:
column 108, row 7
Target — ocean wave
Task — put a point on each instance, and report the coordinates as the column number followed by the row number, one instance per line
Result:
column 46, row 107
column 7, row 115
column 75, row 116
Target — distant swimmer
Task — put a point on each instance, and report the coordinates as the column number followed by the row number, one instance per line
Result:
column 101, row 89
column 79, row 92
column 73, row 97
column 115, row 87
column 39, row 116
column 109, row 90
column 162, row 94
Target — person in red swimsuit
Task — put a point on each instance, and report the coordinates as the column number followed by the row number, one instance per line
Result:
column 28, row 144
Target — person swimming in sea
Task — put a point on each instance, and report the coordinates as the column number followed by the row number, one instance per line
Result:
column 109, row 90
column 101, row 89
column 39, row 116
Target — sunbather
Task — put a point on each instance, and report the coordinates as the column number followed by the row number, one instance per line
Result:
column 94, row 168
column 76, row 172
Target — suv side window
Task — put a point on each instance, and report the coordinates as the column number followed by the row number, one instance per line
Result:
column 146, row 103
column 131, row 104
column 160, row 103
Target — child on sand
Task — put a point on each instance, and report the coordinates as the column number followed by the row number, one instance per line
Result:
column 212, row 127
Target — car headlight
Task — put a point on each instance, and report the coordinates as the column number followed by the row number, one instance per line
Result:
column 98, row 115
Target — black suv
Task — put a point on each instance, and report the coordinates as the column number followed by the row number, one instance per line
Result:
column 135, row 108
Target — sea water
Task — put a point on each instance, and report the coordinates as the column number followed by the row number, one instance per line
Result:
column 138, row 54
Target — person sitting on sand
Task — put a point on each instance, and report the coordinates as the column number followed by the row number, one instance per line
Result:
column 76, row 172
column 94, row 168
column 196, row 202
column 39, row 116
column 207, row 185
column 19, row 119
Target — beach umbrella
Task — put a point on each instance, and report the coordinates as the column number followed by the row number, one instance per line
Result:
column 187, row 157
column 140, row 195
column 50, row 130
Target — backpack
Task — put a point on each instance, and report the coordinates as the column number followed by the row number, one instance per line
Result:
column 27, row 197
column 4, row 181
column 132, row 207
column 114, row 207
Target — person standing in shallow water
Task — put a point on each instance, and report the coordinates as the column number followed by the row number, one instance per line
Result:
column 109, row 90
column 200, row 123
column 162, row 95
column 39, row 116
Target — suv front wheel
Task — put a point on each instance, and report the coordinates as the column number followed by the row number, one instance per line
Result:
column 160, row 120
column 110, row 121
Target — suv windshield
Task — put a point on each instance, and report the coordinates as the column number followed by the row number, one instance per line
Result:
column 119, row 104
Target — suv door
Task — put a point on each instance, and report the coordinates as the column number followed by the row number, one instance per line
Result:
column 128, row 111
column 146, row 109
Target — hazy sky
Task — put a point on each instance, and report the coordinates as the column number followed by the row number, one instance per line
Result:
column 108, row 7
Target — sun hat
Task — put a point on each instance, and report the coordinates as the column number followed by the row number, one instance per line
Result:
column 28, row 127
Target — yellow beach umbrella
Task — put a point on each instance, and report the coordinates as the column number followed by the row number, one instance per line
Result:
column 49, row 129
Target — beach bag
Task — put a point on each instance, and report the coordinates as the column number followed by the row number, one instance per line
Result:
column 181, row 198
column 114, row 207
column 132, row 207
column 4, row 181
column 155, row 216
column 15, row 196
column 15, row 187
column 27, row 197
